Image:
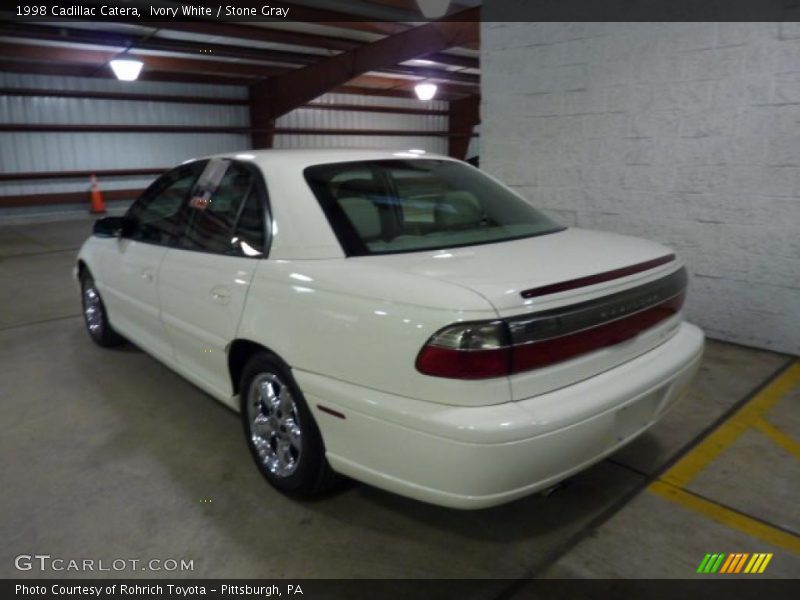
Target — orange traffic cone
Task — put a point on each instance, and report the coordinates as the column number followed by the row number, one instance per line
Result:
column 97, row 203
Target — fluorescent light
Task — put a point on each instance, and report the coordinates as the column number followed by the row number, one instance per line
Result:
column 416, row 151
column 126, row 69
column 433, row 9
column 425, row 91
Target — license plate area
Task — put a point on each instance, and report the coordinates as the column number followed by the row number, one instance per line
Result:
column 637, row 415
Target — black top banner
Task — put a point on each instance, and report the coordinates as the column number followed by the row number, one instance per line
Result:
column 135, row 11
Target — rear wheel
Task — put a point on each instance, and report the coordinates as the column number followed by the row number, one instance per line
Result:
column 95, row 316
column 281, row 433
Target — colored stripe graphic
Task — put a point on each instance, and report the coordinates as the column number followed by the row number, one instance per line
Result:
column 718, row 562
column 740, row 564
column 735, row 563
column 711, row 562
column 767, row 558
column 727, row 564
column 753, row 561
column 703, row 563
column 731, row 564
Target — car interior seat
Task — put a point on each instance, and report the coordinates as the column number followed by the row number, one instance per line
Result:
column 354, row 198
column 458, row 210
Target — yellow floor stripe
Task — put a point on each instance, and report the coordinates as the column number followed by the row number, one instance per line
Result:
column 786, row 442
column 683, row 471
column 723, row 515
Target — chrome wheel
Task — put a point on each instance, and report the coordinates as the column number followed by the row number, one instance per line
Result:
column 274, row 424
column 92, row 310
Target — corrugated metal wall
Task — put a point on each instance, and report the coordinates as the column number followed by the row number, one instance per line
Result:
column 333, row 119
column 50, row 151
column 33, row 151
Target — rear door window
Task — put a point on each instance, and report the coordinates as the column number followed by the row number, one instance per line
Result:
column 226, row 211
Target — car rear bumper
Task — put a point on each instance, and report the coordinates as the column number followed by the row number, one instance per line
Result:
column 476, row 457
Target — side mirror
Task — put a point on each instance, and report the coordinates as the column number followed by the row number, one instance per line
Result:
column 130, row 225
column 107, row 227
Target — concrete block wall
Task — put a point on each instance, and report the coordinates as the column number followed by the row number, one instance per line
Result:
column 685, row 133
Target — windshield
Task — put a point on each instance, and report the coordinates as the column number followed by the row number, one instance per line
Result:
column 390, row 206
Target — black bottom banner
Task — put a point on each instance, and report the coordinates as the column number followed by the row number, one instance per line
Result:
column 414, row 589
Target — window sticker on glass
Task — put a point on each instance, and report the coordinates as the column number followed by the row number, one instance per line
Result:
column 207, row 184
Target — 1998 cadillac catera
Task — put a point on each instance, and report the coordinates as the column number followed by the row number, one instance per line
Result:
column 400, row 318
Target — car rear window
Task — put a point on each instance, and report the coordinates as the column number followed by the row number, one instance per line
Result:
column 391, row 206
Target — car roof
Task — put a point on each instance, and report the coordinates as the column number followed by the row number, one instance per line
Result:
column 307, row 156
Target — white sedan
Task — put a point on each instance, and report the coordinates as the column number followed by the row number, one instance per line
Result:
column 397, row 317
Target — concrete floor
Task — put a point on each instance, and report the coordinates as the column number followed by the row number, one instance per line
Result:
column 108, row 454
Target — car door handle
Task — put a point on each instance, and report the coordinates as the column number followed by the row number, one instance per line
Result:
column 147, row 275
column 220, row 294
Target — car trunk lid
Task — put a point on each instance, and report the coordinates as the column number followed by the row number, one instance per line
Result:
column 554, row 289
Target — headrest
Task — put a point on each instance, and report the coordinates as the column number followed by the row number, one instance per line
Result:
column 364, row 216
column 458, row 209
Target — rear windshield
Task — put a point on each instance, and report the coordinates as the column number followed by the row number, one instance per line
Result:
column 390, row 206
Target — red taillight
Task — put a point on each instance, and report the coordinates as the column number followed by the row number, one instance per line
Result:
column 481, row 350
column 461, row 364
column 467, row 351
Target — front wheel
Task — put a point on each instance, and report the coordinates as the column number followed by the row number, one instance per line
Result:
column 281, row 433
column 95, row 316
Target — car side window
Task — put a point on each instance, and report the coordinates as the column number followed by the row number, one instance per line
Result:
column 158, row 211
column 226, row 211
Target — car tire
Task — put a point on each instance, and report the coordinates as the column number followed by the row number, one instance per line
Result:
column 280, row 431
column 95, row 316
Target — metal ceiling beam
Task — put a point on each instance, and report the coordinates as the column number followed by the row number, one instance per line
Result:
column 262, row 34
column 101, row 58
column 148, row 42
column 363, row 86
column 82, row 36
column 96, row 95
column 412, row 6
column 366, row 91
column 445, row 89
column 197, row 129
column 286, row 92
column 92, row 63
column 79, row 70
column 294, row 38
column 465, row 114
column 342, row 19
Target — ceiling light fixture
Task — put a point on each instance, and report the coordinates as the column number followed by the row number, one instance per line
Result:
column 126, row 69
column 433, row 9
column 425, row 91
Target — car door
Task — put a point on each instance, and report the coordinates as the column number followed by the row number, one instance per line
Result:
column 129, row 279
column 205, row 278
